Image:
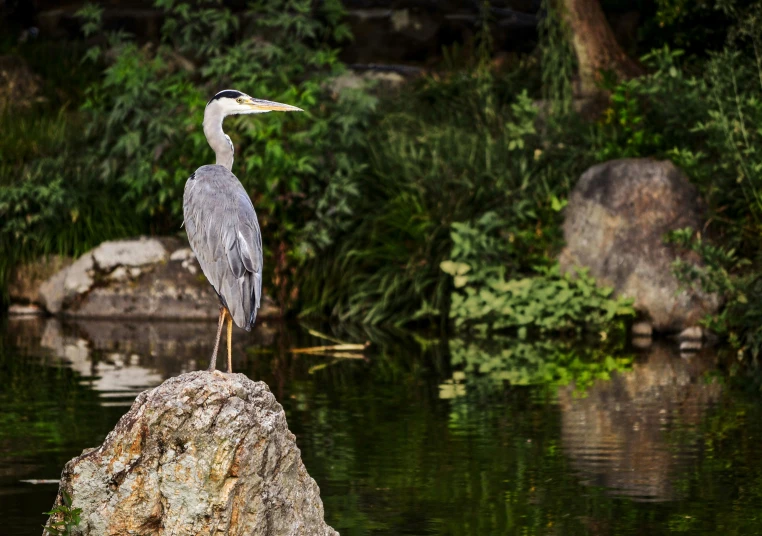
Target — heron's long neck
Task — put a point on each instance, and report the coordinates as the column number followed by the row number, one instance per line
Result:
column 220, row 143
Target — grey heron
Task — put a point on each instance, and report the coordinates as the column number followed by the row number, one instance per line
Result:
column 221, row 223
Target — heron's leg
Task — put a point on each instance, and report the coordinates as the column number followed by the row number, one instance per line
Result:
column 230, row 343
column 221, row 321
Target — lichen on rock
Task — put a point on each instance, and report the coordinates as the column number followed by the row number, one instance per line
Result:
column 203, row 453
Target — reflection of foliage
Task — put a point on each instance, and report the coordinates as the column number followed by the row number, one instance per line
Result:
column 546, row 362
column 43, row 403
column 729, row 438
column 491, row 297
column 392, row 458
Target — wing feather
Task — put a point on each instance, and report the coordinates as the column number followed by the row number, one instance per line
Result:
column 223, row 232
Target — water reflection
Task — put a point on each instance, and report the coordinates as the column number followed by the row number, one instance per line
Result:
column 120, row 359
column 633, row 433
column 427, row 437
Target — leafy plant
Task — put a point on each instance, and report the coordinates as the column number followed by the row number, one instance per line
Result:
column 558, row 59
column 49, row 201
column 143, row 119
column 624, row 127
column 492, row 295
column 727, row 274
column 67, row 517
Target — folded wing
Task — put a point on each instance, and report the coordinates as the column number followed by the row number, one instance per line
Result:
column 223, row 232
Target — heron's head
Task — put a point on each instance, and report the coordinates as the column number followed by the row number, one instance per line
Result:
column 232, row 102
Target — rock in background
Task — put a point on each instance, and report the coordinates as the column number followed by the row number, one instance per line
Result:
column 203, row 453
column 19, row 86
column 142, row 279
column 615, row 223
column 25, row 282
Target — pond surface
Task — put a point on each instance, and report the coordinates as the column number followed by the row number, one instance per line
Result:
column 419, row 437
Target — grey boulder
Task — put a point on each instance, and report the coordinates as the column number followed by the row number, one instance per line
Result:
column 203, row 453
column 132, row 253
column 615, row 223
column 142, row 278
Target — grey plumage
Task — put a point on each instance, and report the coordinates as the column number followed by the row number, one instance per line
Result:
column 221, row 223
column 223, row 232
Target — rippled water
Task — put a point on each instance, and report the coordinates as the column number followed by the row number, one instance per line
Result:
column 419, row 438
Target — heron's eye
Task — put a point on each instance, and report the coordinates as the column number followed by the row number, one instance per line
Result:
column 239, row 100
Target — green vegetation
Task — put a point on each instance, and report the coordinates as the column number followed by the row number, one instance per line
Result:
column 69, row 517
column 436, row 205
column 491, row 296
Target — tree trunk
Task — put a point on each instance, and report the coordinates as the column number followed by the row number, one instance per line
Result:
column 594, row 44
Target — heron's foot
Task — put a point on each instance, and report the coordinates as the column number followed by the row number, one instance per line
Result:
column 218, row 373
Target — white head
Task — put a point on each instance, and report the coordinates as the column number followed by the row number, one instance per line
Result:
column 232, row 102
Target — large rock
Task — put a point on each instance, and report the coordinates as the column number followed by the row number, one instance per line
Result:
column 138, row 278
column 203, row 453
column 128, row 253
column 66, row 285
column 615, row 223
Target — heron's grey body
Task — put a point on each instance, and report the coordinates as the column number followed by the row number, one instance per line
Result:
column 223, row 232
column 221, row 223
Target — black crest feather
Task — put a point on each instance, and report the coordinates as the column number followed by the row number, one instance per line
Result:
column 228, row 93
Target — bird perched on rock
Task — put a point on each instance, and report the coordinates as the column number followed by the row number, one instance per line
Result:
column 221, row 222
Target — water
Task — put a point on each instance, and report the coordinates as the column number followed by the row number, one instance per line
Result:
column 420, row 439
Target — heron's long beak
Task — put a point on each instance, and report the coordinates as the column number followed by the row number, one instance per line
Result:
column 269, row 106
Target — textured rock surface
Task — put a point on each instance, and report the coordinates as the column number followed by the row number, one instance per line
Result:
column 140, row 278
column 203, row 453
column 615, row 224
column 109, row 255
column 67, row 284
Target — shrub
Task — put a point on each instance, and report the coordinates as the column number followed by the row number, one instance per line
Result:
column 142, row 129
column 705, row 118
column 433, row 162
column 491, row 296
column 735, row 280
